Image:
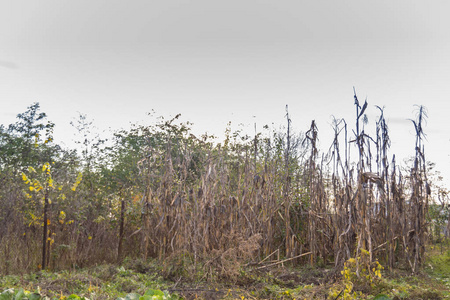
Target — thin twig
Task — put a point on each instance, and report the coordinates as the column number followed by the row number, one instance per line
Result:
column 283, row 261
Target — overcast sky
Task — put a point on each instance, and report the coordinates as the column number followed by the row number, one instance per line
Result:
column 239, row 61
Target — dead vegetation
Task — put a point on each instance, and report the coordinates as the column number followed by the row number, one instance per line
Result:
column 257, row 201
column 288, row 200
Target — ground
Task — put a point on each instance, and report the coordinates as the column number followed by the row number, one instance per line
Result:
column 190, row 281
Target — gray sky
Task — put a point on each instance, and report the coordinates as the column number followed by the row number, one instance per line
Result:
column 239, row 61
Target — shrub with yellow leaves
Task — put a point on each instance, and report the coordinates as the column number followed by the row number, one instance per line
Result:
column 357, row 271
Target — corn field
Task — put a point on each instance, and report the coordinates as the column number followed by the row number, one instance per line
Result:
column 161, row 192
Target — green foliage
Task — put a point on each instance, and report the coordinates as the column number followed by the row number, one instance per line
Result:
column 438, row 216
column 150, row 294
column 381, row 297
column 20, row 142
column 439, row 266
column 75, row 297
column 131, row 296
column 20, row 294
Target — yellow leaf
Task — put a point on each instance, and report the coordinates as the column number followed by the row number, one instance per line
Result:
column 24, row 177
column 62, row 216
column 77, row 182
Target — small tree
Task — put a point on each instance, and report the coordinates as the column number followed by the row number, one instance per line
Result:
column 42, row 185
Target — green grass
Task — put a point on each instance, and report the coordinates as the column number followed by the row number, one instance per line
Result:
column 101, row 282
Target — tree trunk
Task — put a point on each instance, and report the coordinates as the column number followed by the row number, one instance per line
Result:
column 448, row 223
column 121, row 231
column 44, row 236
